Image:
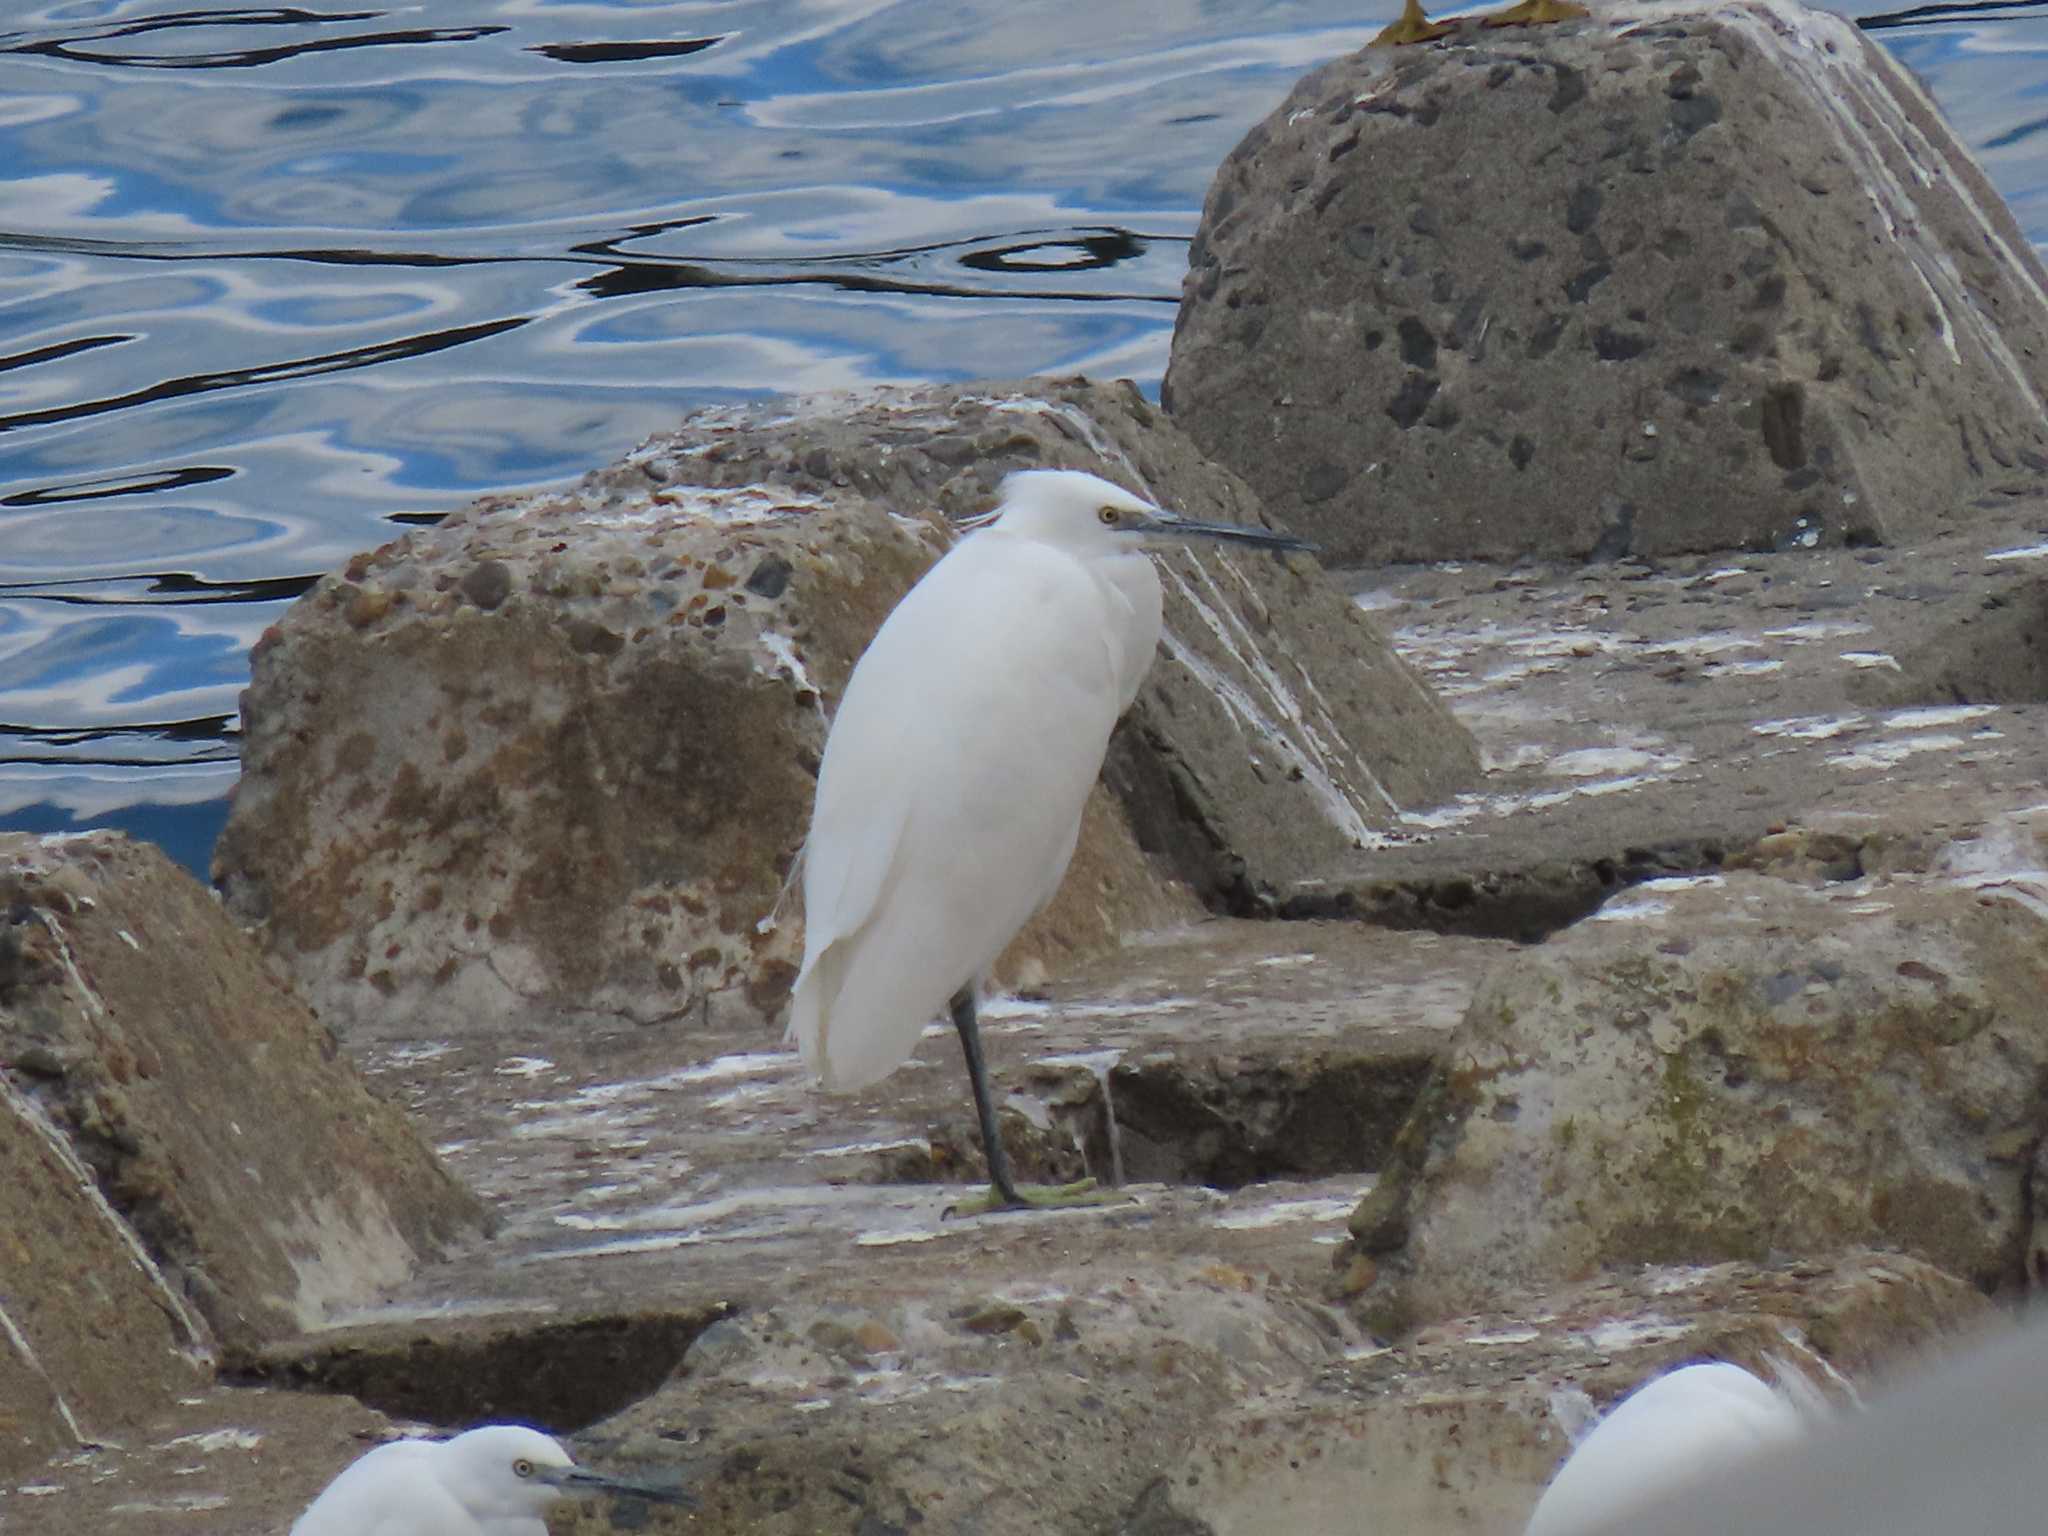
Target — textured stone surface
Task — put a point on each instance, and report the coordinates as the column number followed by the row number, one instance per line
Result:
column 225, row 1141
column 1203, row 1397
column 1177, row 1358
column 609, row 1151
column 556, row 754
column 1646, row 718
column 94, row 1343
column 1676, row 278
column 552, row 756
column 1277, row 731
column 1996, row 653
column 218, row 1461
column 1459, row 1429
column 1209, row 1396
column 1732, row 1068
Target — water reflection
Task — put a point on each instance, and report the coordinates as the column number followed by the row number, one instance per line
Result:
column 130, row 485
column 71, row 669
column 88, row 48
column 268, row 373
column 180, row 807
column 621, row 53
column 933, row 270
column 276, row 281
column 1961, row 14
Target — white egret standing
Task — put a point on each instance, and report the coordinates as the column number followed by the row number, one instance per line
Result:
column 1663, row 1436
column 950, row 796
column 494, row 1481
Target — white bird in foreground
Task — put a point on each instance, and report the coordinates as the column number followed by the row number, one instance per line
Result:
column 1665, row 1435
column 494, row 1481
column 950, row 796
column 1959, row 1448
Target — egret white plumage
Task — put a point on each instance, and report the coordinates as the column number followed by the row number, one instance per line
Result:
column 950, row 796
column 1677, row 1428
column 494, row 1481
column 1959, row 1445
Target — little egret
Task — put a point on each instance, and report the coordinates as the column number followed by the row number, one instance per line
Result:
column 1665, row 1435
column 950, row 796
column 494, row 1481
column 1959, row 1445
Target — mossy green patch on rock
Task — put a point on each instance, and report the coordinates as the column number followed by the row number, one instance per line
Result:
column 1787, row 1079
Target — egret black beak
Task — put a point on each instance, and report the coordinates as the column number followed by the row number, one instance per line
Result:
column 581, row 1483
column 1166, row 527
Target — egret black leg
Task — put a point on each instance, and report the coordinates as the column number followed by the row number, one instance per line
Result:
column 1007, row 1197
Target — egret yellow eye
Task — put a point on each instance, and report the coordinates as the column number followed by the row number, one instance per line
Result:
column 522, row 1468
column 1109, row 516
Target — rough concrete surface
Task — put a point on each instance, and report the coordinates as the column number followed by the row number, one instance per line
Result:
column 1732, row 1067
column 642, row 1196
column 557, row 753
column 1650, row 718
column 610, row 1157
column 1864, row 724
column 838, row 1355
column 1456, row 1429
column 1076, row 1399
column 197, row 1165
column 1670, row 279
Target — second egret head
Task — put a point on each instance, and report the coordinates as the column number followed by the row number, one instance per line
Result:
column 495, row 1481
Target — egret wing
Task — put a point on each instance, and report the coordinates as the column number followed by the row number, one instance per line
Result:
column 1680, row 1427
column 1955, row 1448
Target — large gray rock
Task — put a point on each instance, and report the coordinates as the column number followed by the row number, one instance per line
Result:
column 186, row 1162
column 557, row 753
column 1676, row 278
column 1210, row 1401
column 1460, row 1429
column 1731, row 1068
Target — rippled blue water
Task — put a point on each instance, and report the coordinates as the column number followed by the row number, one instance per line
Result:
column 277, row 281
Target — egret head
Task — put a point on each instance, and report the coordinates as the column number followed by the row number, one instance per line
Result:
column 506, row 1471
column 1089, row 515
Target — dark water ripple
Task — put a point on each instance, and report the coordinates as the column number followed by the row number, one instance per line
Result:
column 1960, row 15
column 276, row 282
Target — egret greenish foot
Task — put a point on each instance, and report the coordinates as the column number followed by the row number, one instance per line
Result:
column 1038, row 1197
column 1004, row 1193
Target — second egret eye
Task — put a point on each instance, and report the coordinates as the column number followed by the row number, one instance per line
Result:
column 522, row 1468
column 1109, row 516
